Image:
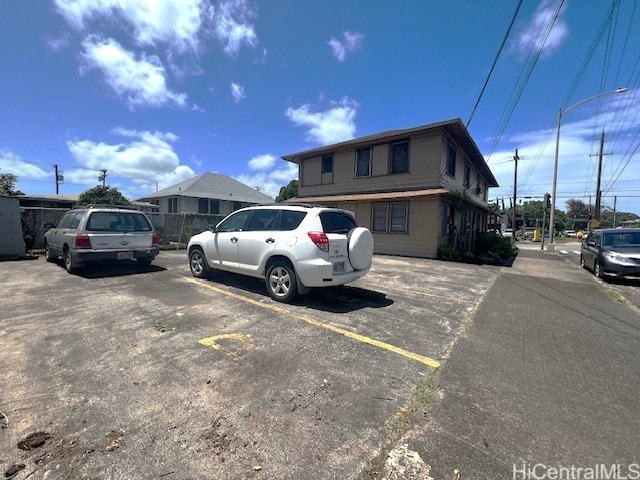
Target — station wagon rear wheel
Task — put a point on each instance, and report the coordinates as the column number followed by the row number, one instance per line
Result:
column 198, row 264
column 281, row 282
column 69, row 264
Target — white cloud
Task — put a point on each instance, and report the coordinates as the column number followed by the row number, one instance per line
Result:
column 532, row 36
column 232, row 25
column 334, row 125
column 237, row 92
column 262, row 162
column 58, row 44
column 12, row 163
column 147, row 158
column 139, row 82
column 262, row 60
column 176, row 22
column 351, row 43
column 270, row 182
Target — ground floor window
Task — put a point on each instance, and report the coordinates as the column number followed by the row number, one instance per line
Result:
column 208, row 205
column 390, row 217
column 173, row 204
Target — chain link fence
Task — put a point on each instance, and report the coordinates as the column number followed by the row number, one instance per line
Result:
column 174, row 229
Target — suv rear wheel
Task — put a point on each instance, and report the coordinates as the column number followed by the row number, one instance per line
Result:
column 281, row 281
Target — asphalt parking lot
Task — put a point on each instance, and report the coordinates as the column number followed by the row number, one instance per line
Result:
column 153, row 374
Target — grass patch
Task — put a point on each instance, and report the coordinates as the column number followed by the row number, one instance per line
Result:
column 422, row 400
column 616, row 296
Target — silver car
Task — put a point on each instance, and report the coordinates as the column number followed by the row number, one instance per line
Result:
column 612, row 252
column 101, row 234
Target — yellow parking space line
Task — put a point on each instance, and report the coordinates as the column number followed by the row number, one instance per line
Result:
column 355, row 336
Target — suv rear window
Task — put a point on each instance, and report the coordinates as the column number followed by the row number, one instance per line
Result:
column 118, row 222
column 337, row 222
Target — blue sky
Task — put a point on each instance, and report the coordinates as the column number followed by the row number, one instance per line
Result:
column 159, row 91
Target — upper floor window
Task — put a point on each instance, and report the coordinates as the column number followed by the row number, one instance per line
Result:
column 363, row 162
column 467, row 175
column 399, row 162
column 451, row 161
column 327, row 164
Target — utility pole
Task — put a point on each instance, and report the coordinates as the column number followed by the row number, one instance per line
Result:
column 596, row 215
column 615, row 201
column 59, row 178
column 103, row 177
column 515, row 190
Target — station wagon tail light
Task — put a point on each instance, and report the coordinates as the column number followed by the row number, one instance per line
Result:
column 320, row 239
column 154, row 239
column 82, row 241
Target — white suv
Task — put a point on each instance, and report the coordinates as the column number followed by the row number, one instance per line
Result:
column 293, row 247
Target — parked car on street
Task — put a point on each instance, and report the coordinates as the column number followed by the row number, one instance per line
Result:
column 570, row 234
column 99, row 233
column 292, row 247
column 612, row 251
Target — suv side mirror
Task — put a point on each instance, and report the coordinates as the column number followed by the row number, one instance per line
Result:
column 213, row 228
column 48, row 226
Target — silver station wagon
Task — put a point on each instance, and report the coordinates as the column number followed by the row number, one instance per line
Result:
column 99, row 233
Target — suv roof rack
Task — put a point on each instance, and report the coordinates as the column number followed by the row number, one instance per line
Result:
column 289, row 204
column 104, row 205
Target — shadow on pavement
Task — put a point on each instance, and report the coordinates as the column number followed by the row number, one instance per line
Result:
column 341, row 299
column 104, row 270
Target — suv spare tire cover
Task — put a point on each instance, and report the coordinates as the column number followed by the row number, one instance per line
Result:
column 360, row 248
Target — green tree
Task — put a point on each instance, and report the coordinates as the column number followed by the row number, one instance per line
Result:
column 7, row 185
column 102, row 196
column 290, row 191
column 577, row 209
column 606, row 217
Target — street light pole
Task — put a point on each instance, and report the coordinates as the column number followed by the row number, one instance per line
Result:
column 552, row 217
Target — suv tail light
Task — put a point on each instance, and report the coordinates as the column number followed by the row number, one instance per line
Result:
column 82, row 241
column 154, row 239
column 320, row 239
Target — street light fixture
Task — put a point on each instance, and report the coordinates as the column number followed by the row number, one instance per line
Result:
column 552, row 227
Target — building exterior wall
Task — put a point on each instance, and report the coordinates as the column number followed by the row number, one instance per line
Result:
column 423, row 224
column 450, row 219
column 424, row 169
column 428, row 156
column 190, row 205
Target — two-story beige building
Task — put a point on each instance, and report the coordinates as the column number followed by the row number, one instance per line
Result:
column 416, row 189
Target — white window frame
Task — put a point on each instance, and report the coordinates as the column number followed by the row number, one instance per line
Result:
column 370, row 162
column 388, row 227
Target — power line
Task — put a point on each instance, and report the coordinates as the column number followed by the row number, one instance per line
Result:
column 527, row 71
column 495, row 60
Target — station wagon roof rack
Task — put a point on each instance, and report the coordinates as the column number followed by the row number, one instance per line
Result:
column 104, row 205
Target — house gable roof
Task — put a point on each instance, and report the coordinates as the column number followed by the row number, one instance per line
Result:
column 215, row 186
column 454, row 128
